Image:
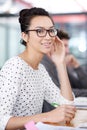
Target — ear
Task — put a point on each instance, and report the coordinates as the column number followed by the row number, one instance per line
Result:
column 24, row 36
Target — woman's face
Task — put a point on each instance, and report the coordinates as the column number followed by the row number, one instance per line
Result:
column 37, row 42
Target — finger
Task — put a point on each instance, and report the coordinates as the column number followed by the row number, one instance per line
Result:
column 71, row 114
column 51, row 51
column 69, row 109
column 68, row 106
column 57, row 39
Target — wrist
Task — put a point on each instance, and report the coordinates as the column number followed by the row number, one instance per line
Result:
column 43, row 117
column 60, row 63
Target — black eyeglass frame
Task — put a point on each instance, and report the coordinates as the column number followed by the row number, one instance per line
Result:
column 47, row 31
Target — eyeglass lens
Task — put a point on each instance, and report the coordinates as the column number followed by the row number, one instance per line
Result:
column 43, row 32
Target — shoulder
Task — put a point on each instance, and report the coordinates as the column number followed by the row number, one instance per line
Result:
column 42, row 67
column 13, row 64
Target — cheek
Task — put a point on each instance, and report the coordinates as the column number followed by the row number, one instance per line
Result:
column 32, row 38
column 34, row 41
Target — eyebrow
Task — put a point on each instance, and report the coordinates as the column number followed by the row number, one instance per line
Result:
column 44, row 27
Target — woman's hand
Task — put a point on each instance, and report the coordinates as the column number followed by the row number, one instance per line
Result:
column 57, row 53
column 64, row 113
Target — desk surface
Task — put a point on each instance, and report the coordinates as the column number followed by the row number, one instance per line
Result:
column 60, row 124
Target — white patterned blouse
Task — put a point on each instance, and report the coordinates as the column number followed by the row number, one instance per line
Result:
column 23, row 89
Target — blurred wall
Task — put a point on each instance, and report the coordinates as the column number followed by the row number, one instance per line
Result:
column 74, row 24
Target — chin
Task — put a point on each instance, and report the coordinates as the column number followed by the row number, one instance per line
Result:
column 46, row 52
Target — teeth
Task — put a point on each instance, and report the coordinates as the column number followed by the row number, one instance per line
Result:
column 46, row 43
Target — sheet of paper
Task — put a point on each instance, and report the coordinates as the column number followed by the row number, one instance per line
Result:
column 81, row 103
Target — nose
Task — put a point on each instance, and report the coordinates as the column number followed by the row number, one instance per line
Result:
column 47, row 35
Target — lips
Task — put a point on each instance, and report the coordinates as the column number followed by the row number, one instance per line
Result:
column 47, row 44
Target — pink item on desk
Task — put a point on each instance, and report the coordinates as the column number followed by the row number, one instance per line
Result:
column 30, row 126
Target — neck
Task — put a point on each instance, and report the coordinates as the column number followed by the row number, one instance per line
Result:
column 32, row 60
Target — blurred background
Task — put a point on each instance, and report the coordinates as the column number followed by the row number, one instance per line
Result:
column 69, row 15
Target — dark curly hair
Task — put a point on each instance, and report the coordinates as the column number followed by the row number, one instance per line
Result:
column 26, row 15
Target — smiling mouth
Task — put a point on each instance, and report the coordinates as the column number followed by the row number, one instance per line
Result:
column 47, row 45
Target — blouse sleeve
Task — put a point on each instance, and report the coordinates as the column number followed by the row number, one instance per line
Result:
column 52, row 92
column 9, row 82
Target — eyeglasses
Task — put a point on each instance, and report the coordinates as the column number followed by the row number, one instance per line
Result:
column 42, row 32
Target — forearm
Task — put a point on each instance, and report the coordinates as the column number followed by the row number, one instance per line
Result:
column 65, row 86
column 15, row 123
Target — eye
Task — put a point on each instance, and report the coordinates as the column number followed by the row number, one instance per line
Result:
column 40, row 31
column 52, row 30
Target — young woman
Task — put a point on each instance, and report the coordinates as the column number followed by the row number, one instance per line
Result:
column 25, row 83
